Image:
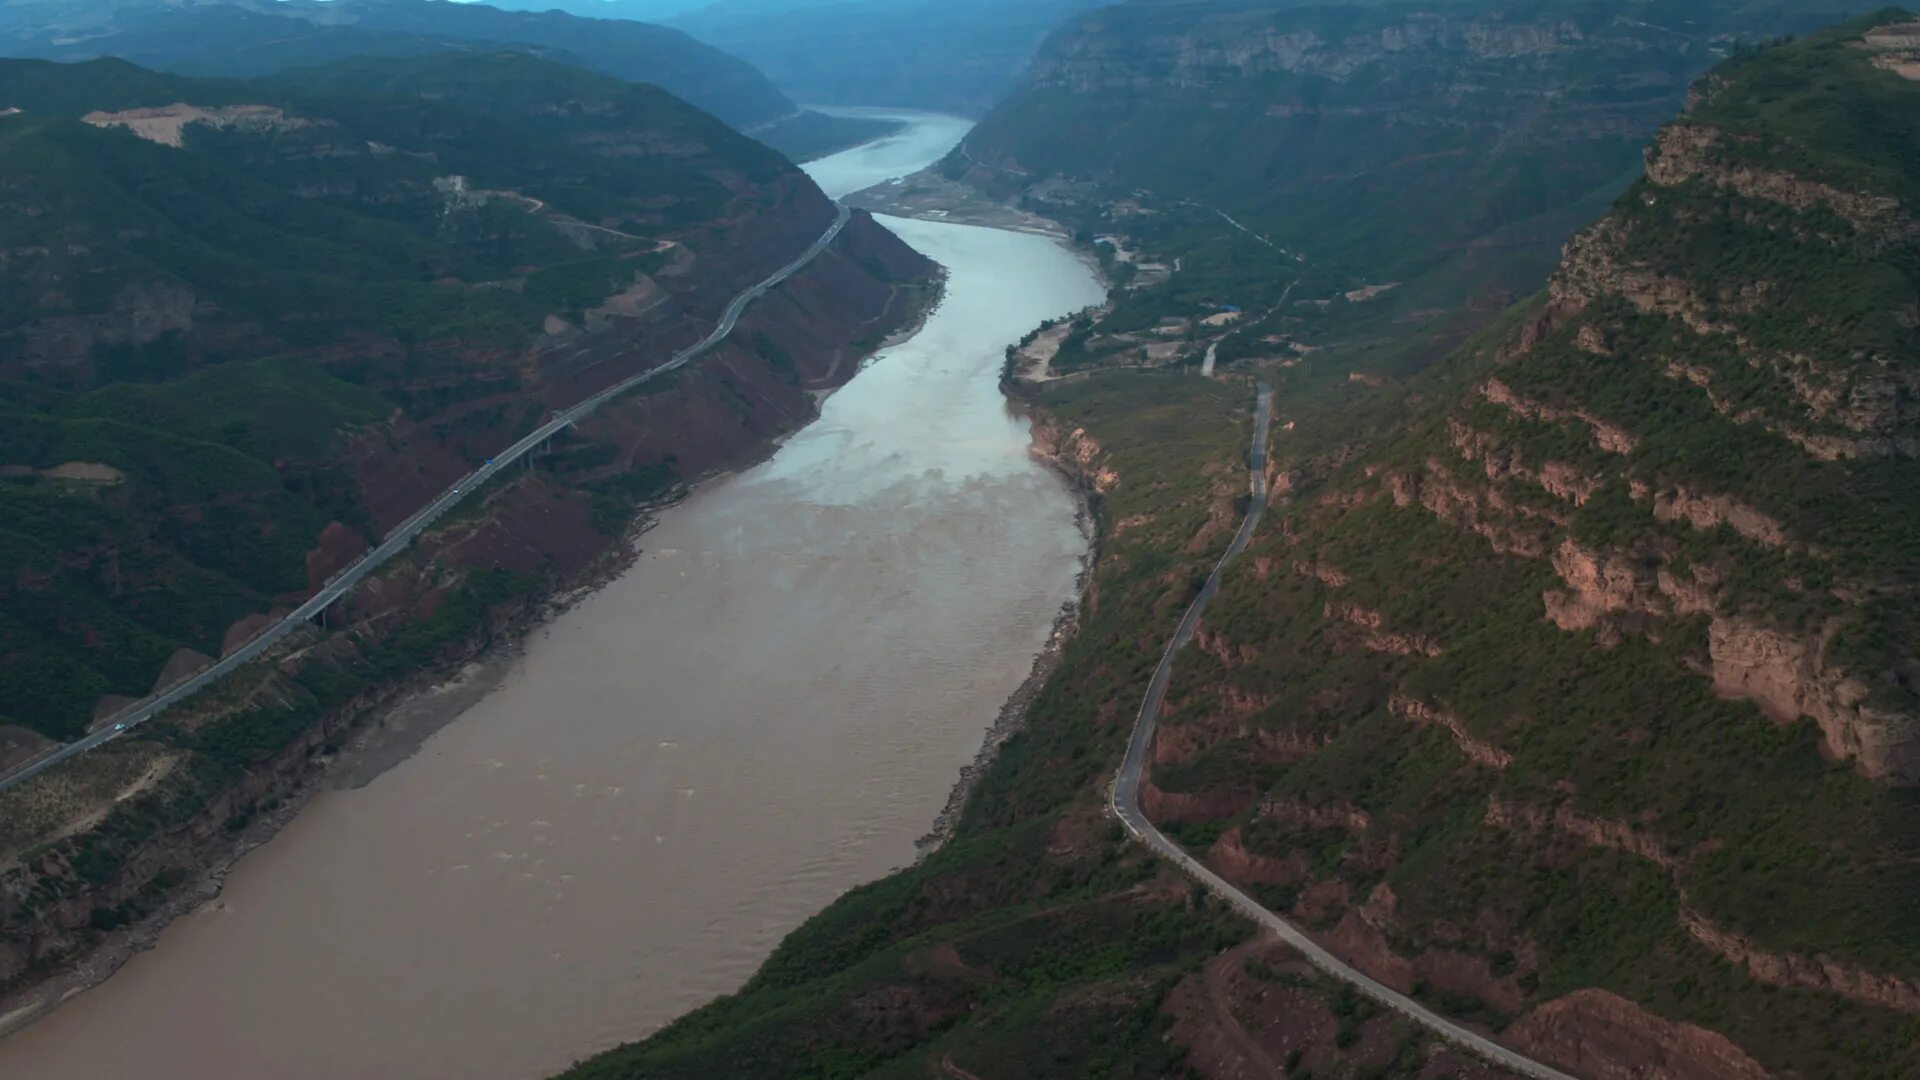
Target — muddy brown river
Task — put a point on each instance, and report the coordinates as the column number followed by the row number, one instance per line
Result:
column 767, row 709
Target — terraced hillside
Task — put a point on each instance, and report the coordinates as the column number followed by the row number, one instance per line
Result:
column 1570, row 687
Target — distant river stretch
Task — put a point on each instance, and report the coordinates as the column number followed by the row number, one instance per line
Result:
column 766, row 710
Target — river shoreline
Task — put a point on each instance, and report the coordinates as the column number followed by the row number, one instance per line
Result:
column 393, row 726
column 424, row 703
column 385, row 732
column 1012, row 717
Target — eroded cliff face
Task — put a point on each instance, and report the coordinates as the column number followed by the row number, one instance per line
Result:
column 1637, row 581
column 1602, row 1035
column 1142, row 92
column 1218, row 48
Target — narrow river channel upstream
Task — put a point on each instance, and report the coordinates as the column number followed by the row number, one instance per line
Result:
column 767, row 709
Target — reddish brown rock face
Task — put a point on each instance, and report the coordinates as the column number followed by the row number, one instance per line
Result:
column 1231, row 859
column 1813, row 972
column 339, row 545
column 1596, row 1034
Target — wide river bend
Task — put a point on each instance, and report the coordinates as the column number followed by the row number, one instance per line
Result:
column 768, row 708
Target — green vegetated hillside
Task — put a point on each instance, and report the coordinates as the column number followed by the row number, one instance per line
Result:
column 193, row 336
column 1572, row 686
column 249, row 327
column 1040, row 942
column 1446, row 148
column 262, row 37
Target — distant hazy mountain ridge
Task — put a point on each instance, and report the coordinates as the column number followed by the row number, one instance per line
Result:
column 193, row 35
column 960, row 57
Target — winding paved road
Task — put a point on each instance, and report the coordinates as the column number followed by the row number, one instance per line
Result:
column 1126, row 805
column 404, row 533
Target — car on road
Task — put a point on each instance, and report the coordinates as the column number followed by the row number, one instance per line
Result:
column 121, row 726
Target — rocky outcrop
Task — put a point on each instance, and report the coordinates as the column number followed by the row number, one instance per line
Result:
column 1606, row 436
column 1619, row 592
column 1231, row 718
column 1598, row 586
column 1374, row 634
column 1587, row 828
column 1882, row 399
column 1593, row 266
column 1877, row 410
column 1316, row 815
column 1788, row 676
column 1500, row 461
column 1476, row 750
column 1596, row 1034
column 1689, row 151
column 1081, row 452
column 1711, row 511
column 1809, row 972
column 1325, row 573
column 1483, row 511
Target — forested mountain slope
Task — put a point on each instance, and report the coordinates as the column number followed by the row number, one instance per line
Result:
column 248, row 327
column 230, row 295
column 1572, row 687
column 1447, row 147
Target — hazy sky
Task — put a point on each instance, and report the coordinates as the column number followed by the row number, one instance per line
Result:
column 627, row 9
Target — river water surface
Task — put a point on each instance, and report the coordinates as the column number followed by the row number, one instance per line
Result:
column 765, row 710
